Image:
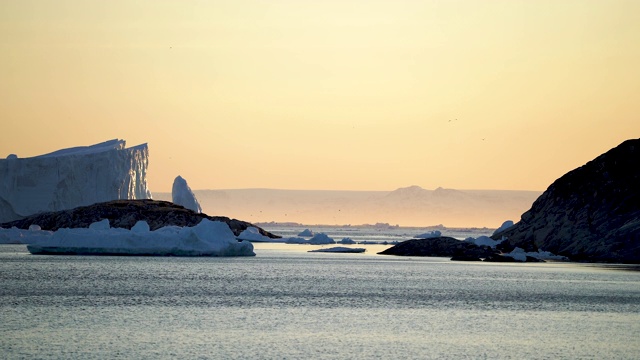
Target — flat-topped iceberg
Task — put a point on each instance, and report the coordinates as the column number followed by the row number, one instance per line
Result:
column 73, row 177
column 208, row 238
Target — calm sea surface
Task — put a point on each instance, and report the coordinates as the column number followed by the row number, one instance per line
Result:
column 286, row 303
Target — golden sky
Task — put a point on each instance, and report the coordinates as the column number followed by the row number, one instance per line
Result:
column 350, row 95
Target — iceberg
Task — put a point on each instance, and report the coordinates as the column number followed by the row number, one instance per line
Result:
column 484, row 241
column 20, row 236
column 306, row 233
column 208, row 238
column 182, row 195
column 346, row 241
column 429, row 235
column 73, row 177
column 321, row 239
column 317, row 239
column 505, row 225
column 520, row 255
column 253, row 234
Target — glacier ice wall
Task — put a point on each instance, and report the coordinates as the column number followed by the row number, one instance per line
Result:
column 73, row 177
column 181, row 194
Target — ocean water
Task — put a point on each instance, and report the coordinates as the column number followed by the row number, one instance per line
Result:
column 377, row 234
column 286, row 303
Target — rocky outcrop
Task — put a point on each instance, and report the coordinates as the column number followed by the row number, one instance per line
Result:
column 439, row 246
column 125, row 214
column 590, row 214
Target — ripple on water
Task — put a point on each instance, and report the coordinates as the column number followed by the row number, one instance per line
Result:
column 293, row 305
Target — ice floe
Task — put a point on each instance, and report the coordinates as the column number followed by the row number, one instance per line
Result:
column 208, row 238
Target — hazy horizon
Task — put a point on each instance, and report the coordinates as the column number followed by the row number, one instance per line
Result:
column 352, row 95
column 409, row 206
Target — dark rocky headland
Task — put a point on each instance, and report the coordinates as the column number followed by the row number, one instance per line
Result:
column 125, row 214
column 442, row 246
column 590, row 214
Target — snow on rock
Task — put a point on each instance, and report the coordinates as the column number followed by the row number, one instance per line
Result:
column 182, row 195
column 73, row 177
column 429, row 235
column 306, row 233
column 340, row 249
column 208, row 238
column 505, row 225
column 346, row 241
column 253, row 234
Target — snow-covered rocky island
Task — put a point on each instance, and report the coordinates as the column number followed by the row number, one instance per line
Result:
column 132, row 227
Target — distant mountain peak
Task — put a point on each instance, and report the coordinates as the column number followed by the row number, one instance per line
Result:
column 409, row 192
column 409, row 188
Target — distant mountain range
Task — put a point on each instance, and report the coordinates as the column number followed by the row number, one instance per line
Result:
column 409, row 206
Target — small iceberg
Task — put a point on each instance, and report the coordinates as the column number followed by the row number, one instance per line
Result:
column 505, row 225
column 347, row 241
column 253, row 234
column 520, row 255
column 340, row 249
column 306, row 233
column 429, row 235
column 484, row 241
column 317, row 239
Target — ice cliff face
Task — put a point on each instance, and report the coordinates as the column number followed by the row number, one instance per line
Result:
column 73, row 177
column 181, row 194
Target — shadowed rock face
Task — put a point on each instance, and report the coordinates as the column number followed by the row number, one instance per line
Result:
column 439, row 246
column 125, row 214
column 590, row 214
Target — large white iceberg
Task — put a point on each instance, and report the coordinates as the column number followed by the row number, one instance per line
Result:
column 73, row 177
column 181, row 194
column 208, row 238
